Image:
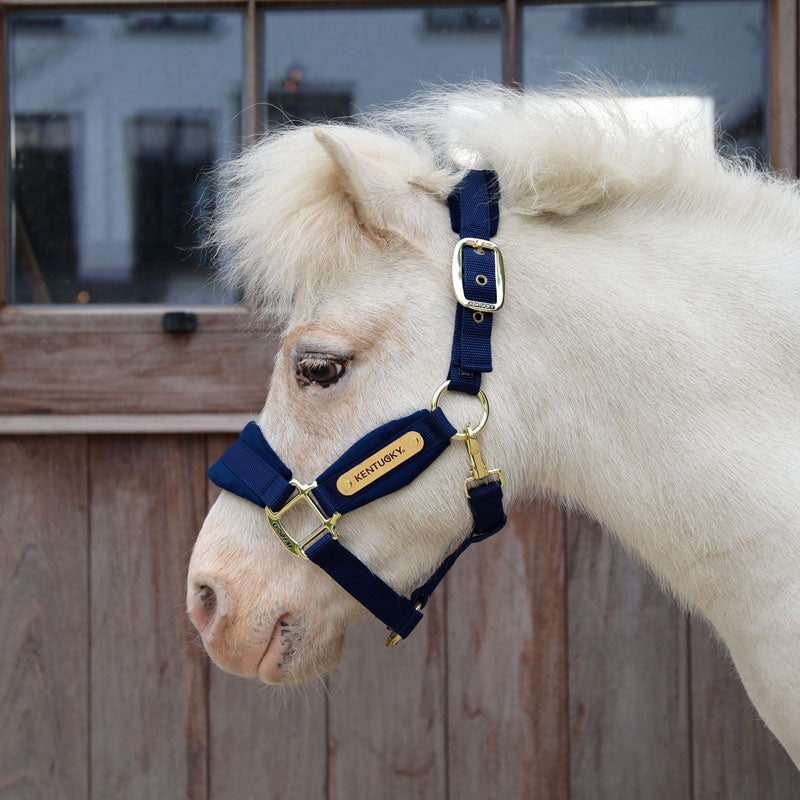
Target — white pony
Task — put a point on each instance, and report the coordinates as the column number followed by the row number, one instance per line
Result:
column 646, row 363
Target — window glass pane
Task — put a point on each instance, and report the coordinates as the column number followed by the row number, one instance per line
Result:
column 333, row 63
column 115, row 120
column 714, row 53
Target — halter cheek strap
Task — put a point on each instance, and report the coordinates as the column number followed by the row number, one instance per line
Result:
column 394, row 454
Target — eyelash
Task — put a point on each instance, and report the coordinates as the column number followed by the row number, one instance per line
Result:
column 308, row 363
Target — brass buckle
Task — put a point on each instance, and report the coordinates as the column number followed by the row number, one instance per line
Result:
column 477, row 466
column 328, row 525
column 479, row 245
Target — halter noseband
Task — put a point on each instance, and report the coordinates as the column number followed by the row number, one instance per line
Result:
column 394, row 454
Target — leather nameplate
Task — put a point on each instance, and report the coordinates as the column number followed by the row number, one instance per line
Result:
column 376, row 466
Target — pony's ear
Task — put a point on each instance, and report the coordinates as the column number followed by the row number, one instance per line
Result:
column 438, row 184
column 359, row 181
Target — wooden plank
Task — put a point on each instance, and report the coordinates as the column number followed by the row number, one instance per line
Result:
column 38, row 424
column 120, row 319
column 783, row 96
column 506, row 663
column 4, row 148
column 127, row 373
column 44, row 618
column 628, row 675
column 735, row 756
column 264, row 742
column 148, row 676
column 387, row 715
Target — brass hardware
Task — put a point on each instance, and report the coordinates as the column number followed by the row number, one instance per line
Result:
column 479, row 246
column 477, row 316
column 378, row 464
column 394, row 639
column 476, row 463
column 328, row 525
column 484, row 405
column 481, row 280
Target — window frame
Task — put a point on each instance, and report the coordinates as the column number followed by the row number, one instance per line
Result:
column 95, row 343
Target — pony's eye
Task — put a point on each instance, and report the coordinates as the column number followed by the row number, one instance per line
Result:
column 320, row 369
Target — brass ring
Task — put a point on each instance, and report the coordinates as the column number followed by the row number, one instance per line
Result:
column 484, row 405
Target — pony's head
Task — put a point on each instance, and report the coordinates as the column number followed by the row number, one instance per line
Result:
column 344, row 234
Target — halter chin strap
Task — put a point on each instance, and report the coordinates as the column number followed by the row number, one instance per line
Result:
column 393, row 455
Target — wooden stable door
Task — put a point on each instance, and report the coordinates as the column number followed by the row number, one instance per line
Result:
column 548, row 665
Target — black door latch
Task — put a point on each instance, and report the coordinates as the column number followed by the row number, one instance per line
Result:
column 179, row 322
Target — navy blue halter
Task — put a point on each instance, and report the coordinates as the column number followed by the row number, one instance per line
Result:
column 251, row 469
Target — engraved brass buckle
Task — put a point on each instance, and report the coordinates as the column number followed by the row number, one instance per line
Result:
column 479, row 245
column 478, row 468
column 292, row 545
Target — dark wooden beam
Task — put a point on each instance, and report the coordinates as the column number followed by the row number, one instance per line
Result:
column 253, row 50
column 512, row 51
column 783, row 80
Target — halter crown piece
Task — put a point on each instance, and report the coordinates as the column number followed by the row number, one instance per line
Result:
column 392, row 455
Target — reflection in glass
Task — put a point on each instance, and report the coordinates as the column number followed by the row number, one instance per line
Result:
column 115, row 122
column 331, row 64
column 714, row 51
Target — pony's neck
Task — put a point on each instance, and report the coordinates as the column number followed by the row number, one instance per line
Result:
column 651, row 360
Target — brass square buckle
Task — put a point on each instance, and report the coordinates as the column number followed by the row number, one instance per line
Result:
column 479, row 246
column 293, row 545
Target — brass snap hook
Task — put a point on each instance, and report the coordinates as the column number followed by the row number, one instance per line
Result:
column 477, row 466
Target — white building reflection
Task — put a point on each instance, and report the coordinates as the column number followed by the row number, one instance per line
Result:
column 116, row 118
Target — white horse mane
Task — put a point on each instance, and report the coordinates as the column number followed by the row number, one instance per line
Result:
column 281, row 229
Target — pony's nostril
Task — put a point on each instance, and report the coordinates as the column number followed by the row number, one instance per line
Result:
column 203, row 606
column 208, row 597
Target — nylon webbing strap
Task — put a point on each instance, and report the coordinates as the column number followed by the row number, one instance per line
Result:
column 488, row 517
column 474, row 214
column 252, row 469
column 395, row 611
column 436, row 433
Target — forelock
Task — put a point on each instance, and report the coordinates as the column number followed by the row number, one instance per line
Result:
column 283, row 229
